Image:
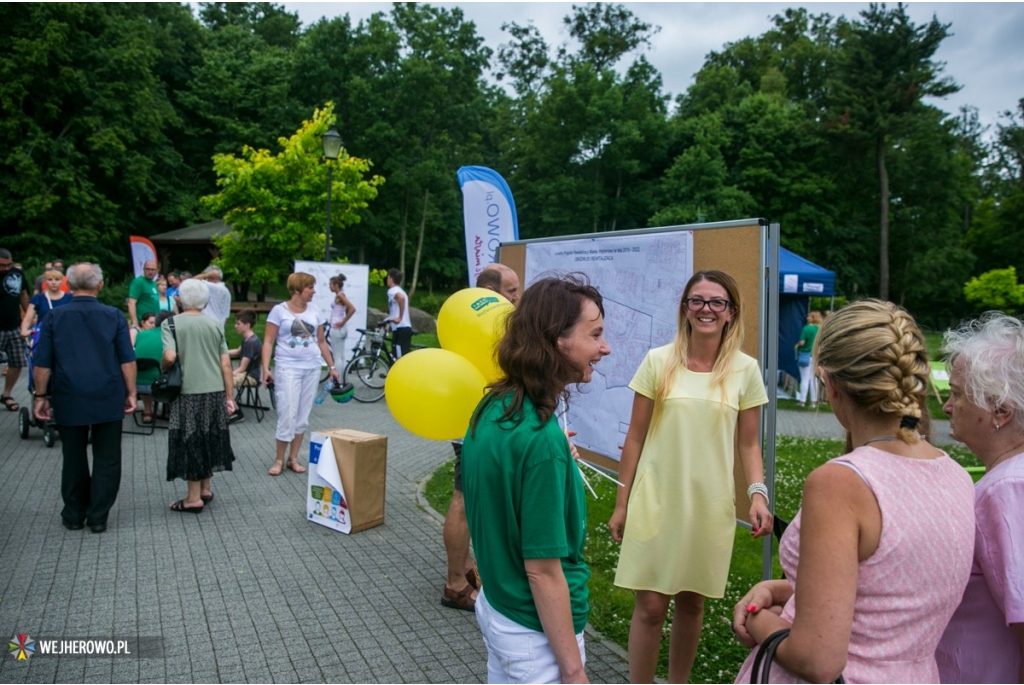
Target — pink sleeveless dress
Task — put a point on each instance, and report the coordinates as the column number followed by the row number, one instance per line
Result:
column 909, row 588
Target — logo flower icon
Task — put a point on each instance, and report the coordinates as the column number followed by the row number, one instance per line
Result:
column 22, row 647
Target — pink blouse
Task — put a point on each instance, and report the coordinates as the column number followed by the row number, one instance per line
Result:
column 979, row 646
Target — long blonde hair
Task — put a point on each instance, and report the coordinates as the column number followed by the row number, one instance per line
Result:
column 732, row 338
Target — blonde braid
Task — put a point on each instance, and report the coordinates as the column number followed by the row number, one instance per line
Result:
column 875, row 352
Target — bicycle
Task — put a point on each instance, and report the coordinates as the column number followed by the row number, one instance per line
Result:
column 368, row 370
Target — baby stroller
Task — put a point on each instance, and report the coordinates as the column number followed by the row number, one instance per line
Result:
column 26, row 419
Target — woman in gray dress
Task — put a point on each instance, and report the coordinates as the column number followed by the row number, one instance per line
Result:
column 198, row 441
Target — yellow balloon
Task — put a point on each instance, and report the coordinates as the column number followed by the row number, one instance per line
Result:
column 470, row 323
column 433, row 393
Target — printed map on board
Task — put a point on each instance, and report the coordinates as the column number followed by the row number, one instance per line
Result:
column 641, row 278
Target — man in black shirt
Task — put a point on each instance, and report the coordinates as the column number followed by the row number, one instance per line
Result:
column 13, row 299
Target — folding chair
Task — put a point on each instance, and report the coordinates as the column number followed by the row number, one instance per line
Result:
column 249, row 396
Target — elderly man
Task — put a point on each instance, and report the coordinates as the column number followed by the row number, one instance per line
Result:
column 86, row 360
column 13, row 298
column 143, row 296
column 460, row 589
column 219, row 306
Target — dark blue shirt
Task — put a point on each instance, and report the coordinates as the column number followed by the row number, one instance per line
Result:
column 84, row 345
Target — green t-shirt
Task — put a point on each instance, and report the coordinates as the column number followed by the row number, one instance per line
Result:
column 524, row 500
column 200, row 345
column 147, row 297
column 148, row 345
column 807, row 336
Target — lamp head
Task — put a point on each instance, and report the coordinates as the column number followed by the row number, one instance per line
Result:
column 332, row 144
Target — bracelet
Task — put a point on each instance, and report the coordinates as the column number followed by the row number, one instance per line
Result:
column 39, row 397
column 757, row 489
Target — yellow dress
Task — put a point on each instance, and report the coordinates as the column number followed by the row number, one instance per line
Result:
column 681, row 516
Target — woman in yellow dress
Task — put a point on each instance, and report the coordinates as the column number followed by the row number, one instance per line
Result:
column 697, row 401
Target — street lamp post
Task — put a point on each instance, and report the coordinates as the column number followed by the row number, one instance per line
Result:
column 331, row 142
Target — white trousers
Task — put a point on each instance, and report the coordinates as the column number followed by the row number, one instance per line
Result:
column 339, row 336
column 294, row 391
column 515, row 653
column 807, row 380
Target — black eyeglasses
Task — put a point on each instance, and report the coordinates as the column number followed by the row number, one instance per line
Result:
column 695, row 304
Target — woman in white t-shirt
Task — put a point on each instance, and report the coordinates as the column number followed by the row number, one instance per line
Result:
column 296, row 326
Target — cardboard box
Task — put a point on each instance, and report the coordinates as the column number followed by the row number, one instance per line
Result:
column 346, row 480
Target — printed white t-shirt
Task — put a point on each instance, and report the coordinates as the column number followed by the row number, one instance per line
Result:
column 296, row 337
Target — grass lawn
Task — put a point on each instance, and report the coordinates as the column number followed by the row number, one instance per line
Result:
column 719, row 656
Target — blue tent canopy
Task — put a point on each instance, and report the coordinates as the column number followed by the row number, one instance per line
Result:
column 798, row 276
column 799, row 280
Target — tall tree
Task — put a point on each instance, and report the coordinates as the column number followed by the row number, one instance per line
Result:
column 884, row 70
column 582, row 144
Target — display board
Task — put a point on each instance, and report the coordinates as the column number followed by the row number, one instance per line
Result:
column 357, row 290
column 641, row 275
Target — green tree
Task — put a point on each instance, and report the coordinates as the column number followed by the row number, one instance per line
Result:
column 996, row 289
column 276, row 203
column 584, row 144
column 884, row 70
column 84, row 119
column 996, row 234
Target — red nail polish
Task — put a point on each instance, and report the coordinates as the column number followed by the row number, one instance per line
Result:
column 752, row 608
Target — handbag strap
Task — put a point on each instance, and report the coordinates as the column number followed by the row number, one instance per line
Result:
column 177, row 352
column 766, row 655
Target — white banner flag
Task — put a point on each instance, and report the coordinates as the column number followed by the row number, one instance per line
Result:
column 490, row 215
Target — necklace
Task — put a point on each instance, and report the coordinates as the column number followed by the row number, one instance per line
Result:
column 889, row 438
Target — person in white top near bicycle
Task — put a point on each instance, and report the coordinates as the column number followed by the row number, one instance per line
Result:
column 342, row 310
column 398, row 314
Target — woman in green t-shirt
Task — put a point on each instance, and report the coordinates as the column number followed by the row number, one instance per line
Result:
column 803, row 359
column 524, row 496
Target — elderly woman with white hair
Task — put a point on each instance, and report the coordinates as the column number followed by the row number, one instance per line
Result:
column 198, row 443
column 984, row 641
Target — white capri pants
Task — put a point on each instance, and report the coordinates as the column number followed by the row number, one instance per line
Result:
column 294, row 391
column 339, row 336
column 515, row 653
column 807, row 383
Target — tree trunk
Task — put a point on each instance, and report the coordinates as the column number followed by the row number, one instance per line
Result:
column 401, row 238
column 883, row 228
column 419, row 245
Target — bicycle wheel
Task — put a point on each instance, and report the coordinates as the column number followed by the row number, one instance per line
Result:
column 367, row 374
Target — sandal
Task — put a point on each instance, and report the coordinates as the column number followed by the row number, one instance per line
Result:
column 296, row 467
column 179, row 506
column 206, row 498
column 147, row 419
column 459, row 600
column 276, row 469
column 9, row 403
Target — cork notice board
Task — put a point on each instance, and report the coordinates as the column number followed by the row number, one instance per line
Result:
column 736, row 247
